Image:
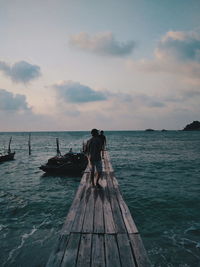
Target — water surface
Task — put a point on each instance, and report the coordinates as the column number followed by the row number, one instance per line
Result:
column 159, row 176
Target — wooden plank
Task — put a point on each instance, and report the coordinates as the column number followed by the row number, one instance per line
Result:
column 87, row 170
column 84, row 255
column 66, row 229
column 85, row 176
column 110, row 168
column 103, row 165
column 98, row 254
column 112, row 253
column 98, row 211
column 117, row 215
column 125, row 251
column 128, row 220
column 89, row 211
column 70, row 256
column 95, row 231
column 58, row 251
column 108, row 215
column 139, row 251
column 79, row 218
column 106, row 162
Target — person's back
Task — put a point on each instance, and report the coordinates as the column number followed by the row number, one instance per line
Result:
column 94, row 148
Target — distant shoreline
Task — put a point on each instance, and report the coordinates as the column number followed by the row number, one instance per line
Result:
column 73, row 131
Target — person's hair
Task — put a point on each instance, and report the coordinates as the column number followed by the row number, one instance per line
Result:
column 102, row 132
column 94, row 132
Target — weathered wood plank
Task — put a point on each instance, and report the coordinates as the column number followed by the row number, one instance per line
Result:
column 139, row 251
column 117, row 215
column 106, row 161
column 98, row 211
column 66, row 229
column 70, row 256
column 125, row 251
column 110, row 168
column 107, row 211
column 112, row 253
column 103, row 165
column 99, row 229
column 128, row 220
column 85, row 175
column 89, row 211
column 58, row 251
column 79, row 218
column 98, row 254
column 84, row 254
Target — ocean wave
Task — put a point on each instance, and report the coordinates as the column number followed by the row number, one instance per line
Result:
column 24, row 237
column 11, row 256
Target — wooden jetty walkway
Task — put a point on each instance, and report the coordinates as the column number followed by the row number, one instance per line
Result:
column 99, row 230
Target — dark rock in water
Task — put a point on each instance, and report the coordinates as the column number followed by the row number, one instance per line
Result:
column 194, row 126
column 163, row 130
column 149, row 130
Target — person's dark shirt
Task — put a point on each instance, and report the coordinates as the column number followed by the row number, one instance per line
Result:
column 94, row 148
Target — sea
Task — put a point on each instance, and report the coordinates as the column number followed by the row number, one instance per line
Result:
column 159, row 177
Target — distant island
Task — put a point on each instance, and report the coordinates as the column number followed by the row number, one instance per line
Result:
column 149, row 130
column 194, row 126
column 152, row 130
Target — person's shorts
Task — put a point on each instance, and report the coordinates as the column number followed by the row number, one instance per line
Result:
column 97, row 164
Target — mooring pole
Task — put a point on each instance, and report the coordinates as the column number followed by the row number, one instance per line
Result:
column 9, row 150
column 29, row 144
column 58, row 149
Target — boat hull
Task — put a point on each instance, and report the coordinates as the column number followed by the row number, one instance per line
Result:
column 7, row 157
column 70, row 163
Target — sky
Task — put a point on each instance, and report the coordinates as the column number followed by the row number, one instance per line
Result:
column 71, row 65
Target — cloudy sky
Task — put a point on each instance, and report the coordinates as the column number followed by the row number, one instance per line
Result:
column 109, row 64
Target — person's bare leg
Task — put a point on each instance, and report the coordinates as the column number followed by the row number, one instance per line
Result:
column 102, row 152
column 98, row 177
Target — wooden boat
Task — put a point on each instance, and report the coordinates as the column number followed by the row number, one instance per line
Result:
column 9, row 155
column 70, row 163
column 6, row 157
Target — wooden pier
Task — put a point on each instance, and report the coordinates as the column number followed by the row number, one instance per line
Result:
column 99, row 230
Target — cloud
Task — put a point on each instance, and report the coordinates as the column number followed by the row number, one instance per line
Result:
column 181, row 46
column 136, row 100
column 149, row 101
column 102, row 44
column 177, row 53
column 11, row 102
column 75, row 92
column 20, row 71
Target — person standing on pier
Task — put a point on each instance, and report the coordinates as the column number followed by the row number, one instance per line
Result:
column 103, row 142
column 93, row 149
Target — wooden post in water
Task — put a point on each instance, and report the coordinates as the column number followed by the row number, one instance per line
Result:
column 58, row 148
column 29, row 144
column 9, row 150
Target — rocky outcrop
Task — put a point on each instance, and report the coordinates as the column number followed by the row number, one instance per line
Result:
column 194, row 126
